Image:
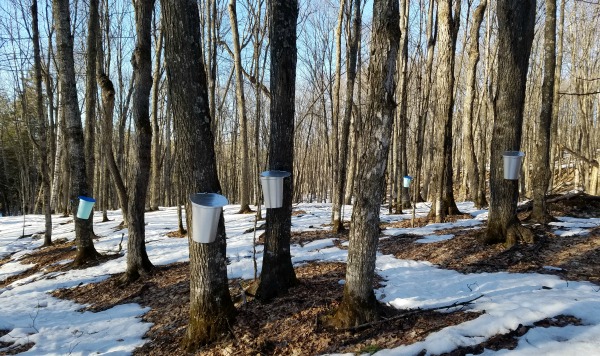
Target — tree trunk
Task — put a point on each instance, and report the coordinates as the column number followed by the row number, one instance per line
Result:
column 556, row 154
column 211, row 308
column 403, row 112
column 91, row 93
column 41, row 141
column 359, row 304
column 470, row 181
column 156, row 160
column 447, row 31
column 336, row 219
column 277, row 273
column 244, row 178
column 352, row 54
column 137, row 258
column 356, row 120
column 515, row 36
column 108, row 107
column 258, row 39
column 425, row 92
column 74, row 132
column 541, row 154
column 58, row 153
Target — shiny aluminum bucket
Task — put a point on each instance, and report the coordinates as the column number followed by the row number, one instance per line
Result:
column 272, row 186
column 512, row 164
column 206, row 211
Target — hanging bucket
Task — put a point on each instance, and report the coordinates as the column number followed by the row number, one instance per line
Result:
column 406, row 181
column 272, row 186
column 206, row 212
column 85, row 207
column 512, row 164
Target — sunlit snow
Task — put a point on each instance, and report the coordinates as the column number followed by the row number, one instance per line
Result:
column 55, row 326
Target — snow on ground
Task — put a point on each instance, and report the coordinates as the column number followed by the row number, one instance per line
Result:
column 56, row 326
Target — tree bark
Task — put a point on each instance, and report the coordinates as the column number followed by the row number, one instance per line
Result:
column 277, row 274
column 444, row 203
column 336, row 219
column 107, row 91
column 211, row 308
column 515, row 36
column 424, row 94
column 74, row 132
column 244, row 178
column 41, row 141
column 359, row 304
column 403, row 112
column 156, row 159
column 91, row 92
column 541, row 155
column 352, row 54
column 556, row 154
column 470, row 182
column 138, row 262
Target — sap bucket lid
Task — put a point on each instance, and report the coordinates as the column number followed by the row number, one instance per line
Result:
column 275, row 174
column 514, row 154
column 209, row 200
column 88, row 199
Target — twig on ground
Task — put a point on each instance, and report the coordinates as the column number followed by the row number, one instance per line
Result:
column 410, row 312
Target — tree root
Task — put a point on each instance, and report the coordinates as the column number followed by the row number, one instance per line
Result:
column 411, row 312
column 246, row 210
column 544, row 218
column 518, row 233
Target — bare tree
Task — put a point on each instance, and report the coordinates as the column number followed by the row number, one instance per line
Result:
column 156, row 156
column 336, row 219
column 403, row 199
column 424, row 90
column 137, row 258
column 211, row 308
column 41, row 135
column 359, row 304
column 515, row 36
column 447, row 32
column 74, row 131
column 541, row 154
column 107, row 90
column 241, row 111
column 91, row 92
column 555, row 152
column 470, row 181
column 343, row 145
column 277, row 274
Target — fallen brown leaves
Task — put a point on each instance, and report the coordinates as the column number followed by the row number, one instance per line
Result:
column 47, row 259
column 287, row 326
column 573, row 257
column 10, row 348
column 290, row 325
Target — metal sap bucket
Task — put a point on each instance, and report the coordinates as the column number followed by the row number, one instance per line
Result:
column 272, row 186
column 85, row 207
column 206, row 212
column 512, row 164
column 406, row 181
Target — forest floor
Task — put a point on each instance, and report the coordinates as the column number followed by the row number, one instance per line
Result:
column 291, row 324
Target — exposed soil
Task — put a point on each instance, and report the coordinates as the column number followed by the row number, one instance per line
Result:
column 291, row 325
column 54, row 258
column 570, row 257
column 288, row 326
